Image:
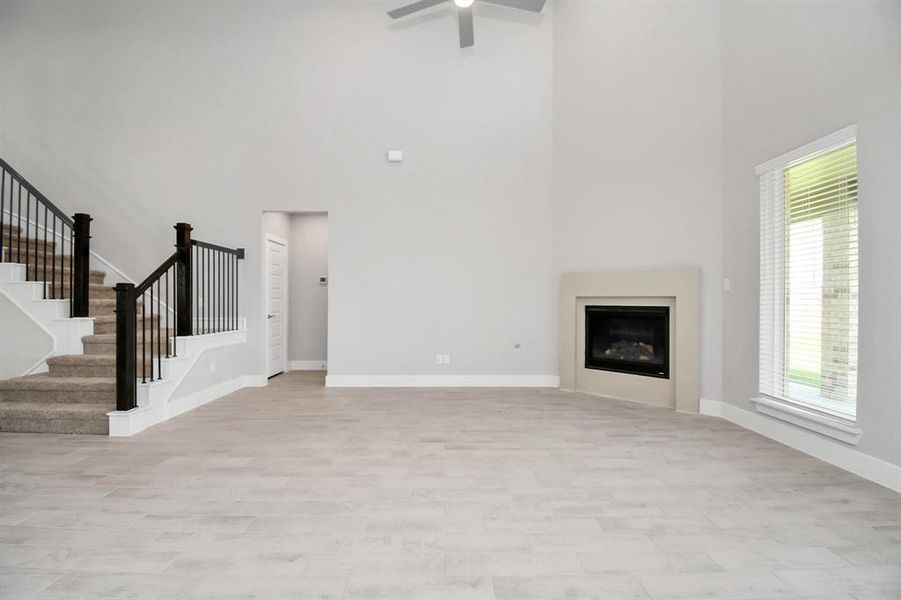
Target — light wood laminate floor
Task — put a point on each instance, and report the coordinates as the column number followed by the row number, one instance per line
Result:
column 295, row 491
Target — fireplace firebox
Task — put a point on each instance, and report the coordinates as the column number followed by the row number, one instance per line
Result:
column 628, row 339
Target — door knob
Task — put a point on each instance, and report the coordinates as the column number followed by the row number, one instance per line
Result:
column 270, row 316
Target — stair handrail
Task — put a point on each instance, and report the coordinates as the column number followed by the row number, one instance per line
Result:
column 215, row 301
column 36, row 259
column 5, row 166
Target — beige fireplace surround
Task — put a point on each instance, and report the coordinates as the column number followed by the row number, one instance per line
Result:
column 678, row 288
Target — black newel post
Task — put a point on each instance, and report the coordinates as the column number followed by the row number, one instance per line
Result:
column 126, row 370
column 81, row 265
column 184, row 291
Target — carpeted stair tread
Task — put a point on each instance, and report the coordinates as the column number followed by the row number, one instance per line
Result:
column 110, row 338
column 47, row 417
column 37, row 273
column 107, row 323
column 48, row 389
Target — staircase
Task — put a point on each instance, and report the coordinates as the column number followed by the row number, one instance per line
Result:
column 132, row 359
column 77, row 391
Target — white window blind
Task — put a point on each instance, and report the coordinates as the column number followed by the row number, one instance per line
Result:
column 808, row 277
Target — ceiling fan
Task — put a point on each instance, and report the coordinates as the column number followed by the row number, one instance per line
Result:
column 464, row 12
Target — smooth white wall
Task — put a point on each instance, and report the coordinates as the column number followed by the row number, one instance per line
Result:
column 637, row 148
column 307, row 298
column 145, row 114
column 819, row 67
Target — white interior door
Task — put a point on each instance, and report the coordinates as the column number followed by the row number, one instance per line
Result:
column 276, row 271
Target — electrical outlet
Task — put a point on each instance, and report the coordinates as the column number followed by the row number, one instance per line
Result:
column 439, row 359
column 727, row 285
column 447, row 359
column 212, row 368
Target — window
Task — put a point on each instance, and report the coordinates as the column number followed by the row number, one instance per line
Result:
column 808, row 276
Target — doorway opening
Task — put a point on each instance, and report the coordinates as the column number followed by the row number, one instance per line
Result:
column 295, row 288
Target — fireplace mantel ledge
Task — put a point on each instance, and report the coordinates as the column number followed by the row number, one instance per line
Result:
column 834, row 427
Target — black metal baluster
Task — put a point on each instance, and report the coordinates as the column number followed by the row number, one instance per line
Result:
column 53, row 259
column 223, row 281
column 237, row 295
column 175, row 315
column 197, row 295
column 169, row 305
column 45, row 252
column 206, row 287
column 28, row 233
column 159, row 332
column 144, row 341
column 19, row 234
column 71, row 272
column 219, row 291
column 3, row 235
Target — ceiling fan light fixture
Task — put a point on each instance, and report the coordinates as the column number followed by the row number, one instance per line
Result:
column 463, row 3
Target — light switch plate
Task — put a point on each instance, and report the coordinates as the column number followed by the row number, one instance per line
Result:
column 395, row 156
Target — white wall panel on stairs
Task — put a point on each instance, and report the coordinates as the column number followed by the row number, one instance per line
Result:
column 26, row 344
column 50, row 316
column 207, row 368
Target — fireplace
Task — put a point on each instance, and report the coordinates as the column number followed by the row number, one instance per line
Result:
column 628, row 339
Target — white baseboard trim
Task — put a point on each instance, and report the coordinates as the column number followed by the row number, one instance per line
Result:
column 832, row 452
column 307, row 365
column 550, row 381
column 256, row 381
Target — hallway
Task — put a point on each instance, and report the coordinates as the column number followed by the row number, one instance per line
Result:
column 298, row 491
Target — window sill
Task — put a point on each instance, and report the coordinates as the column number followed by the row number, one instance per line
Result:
column 834, row 427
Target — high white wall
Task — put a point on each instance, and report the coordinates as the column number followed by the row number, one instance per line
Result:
column 307, row 299
column 145, row 114
column 637, row 149
column 819, row 67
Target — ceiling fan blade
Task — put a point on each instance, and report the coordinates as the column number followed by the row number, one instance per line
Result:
column 403, row 11
column 467, row 38
column 530, row 5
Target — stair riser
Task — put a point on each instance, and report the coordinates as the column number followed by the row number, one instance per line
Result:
column 93, row 426
column 110, row 327
column 82, row 371
column 20, row 255
column 17, row 244
column 101, row 327
column 59, row 292
column 63, row 274
column 104, row 349
column 96, row 292
column 61, row 277
column 60, row 396
column 96, row 309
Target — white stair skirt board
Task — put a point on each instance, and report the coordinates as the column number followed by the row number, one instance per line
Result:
column 51, row 315
column 307, row 365
column 550, row 381
column 154, row 398
column 827, row 450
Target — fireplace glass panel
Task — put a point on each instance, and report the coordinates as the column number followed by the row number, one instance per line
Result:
column 628, row 339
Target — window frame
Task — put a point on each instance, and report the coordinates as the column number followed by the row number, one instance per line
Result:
column 806, row 414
